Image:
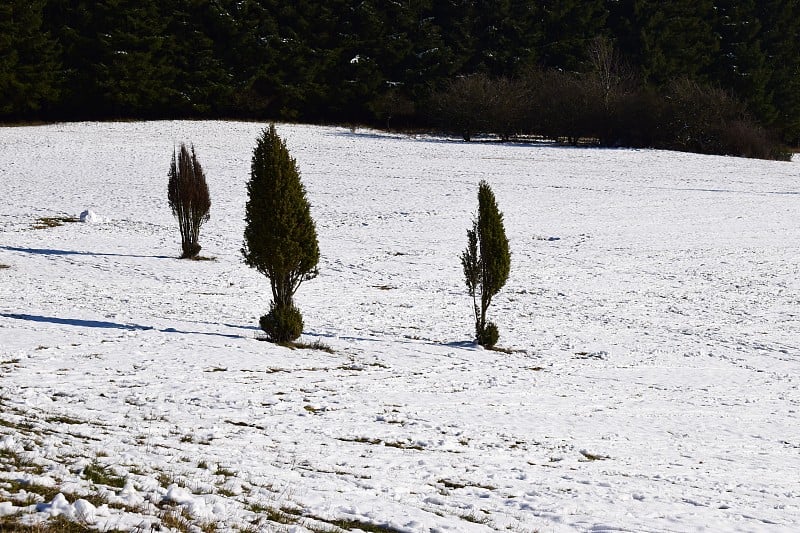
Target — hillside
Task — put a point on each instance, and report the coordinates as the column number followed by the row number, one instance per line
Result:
column 651, row 317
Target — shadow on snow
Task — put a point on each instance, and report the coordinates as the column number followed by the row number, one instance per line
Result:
column 101, row 324
column 50, row 251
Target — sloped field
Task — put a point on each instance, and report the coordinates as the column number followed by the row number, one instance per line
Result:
column 652, row 315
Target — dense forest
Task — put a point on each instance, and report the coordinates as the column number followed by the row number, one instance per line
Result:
column 370, row 61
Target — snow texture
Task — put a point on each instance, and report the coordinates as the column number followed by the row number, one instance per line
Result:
column 652, row 317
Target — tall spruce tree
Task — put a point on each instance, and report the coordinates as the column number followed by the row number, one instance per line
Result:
column 486, row 262
column 741, row 64
column 280, row 238
column 29, row 65
column 780, row 37
column 676, row 39
column 567, row 29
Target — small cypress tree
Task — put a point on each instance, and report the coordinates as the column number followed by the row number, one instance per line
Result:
column 486, row 262
column 187, row 192
column 280, row 238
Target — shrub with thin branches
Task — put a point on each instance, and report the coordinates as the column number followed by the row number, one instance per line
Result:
column 187, row 192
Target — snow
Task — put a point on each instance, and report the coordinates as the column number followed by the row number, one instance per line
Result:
column 652, row 318
column 89, row 217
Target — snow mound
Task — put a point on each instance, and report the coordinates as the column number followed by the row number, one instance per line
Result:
column 90, row 217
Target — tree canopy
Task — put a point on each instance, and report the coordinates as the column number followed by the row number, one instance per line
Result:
column 338, row 60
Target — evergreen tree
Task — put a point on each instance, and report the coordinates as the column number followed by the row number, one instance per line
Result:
column 252, row 55
column 455, row 18
column 113, row 58
column 780, row 36
column 29, row 65
column 568, row 28
column 676, row 39
column 741, row 64
column 280, row 238
column 197, row 33
column 486, row 262
column 187, row 192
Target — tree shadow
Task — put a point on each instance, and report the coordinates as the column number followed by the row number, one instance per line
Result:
column 76, row 322
column 102, row 324
column 51, row 251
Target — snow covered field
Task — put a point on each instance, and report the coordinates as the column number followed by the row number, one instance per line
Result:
column 653, row 313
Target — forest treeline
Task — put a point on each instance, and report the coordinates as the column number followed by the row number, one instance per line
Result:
column 380, row 62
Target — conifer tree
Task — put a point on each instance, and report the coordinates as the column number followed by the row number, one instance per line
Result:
column 29, row 63
column 486, row 262
column 187, row 192
column 280, row 238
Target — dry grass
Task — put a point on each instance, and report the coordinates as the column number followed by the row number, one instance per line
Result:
column 53, row 222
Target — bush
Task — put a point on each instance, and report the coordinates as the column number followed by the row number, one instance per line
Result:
column 463, row 106
column 566, row 106
column 489, row 336
column 476, row 104
column 187, row 192
column 282, row 324
column 747, row 139
column 486, row 262
column 280, row 238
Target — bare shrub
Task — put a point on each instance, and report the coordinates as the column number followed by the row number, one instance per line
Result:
column 189, row 200
column 462, row 107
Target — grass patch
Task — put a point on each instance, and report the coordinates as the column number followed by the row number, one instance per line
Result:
column 452, row 484
column 507, row 351
column 390, row 444
column 165, row 480
column 316, row 345
column 222, row 471
column 285, row 516
column 403, row 445
column 176, row 518
column 103, row 476
column 53, row 222
column 62, row 419
column 361, row 440
column 9, row 457
column 350, row 524
column 36, row 493
column 476, row 518
column 245, row 424
column 59, row 524
column 2, row 266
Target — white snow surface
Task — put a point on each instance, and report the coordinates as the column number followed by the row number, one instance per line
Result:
column 652, row 317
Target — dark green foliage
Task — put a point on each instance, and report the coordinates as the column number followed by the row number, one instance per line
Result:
column 282, row 324
column 741, row 66
column 280, row 238
column 371, row 61
column 486, row 262
column 676, row 39
column 187, row 192
column 489, row 336
column 780, row 39
column 28, row 60
column 567, row 27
